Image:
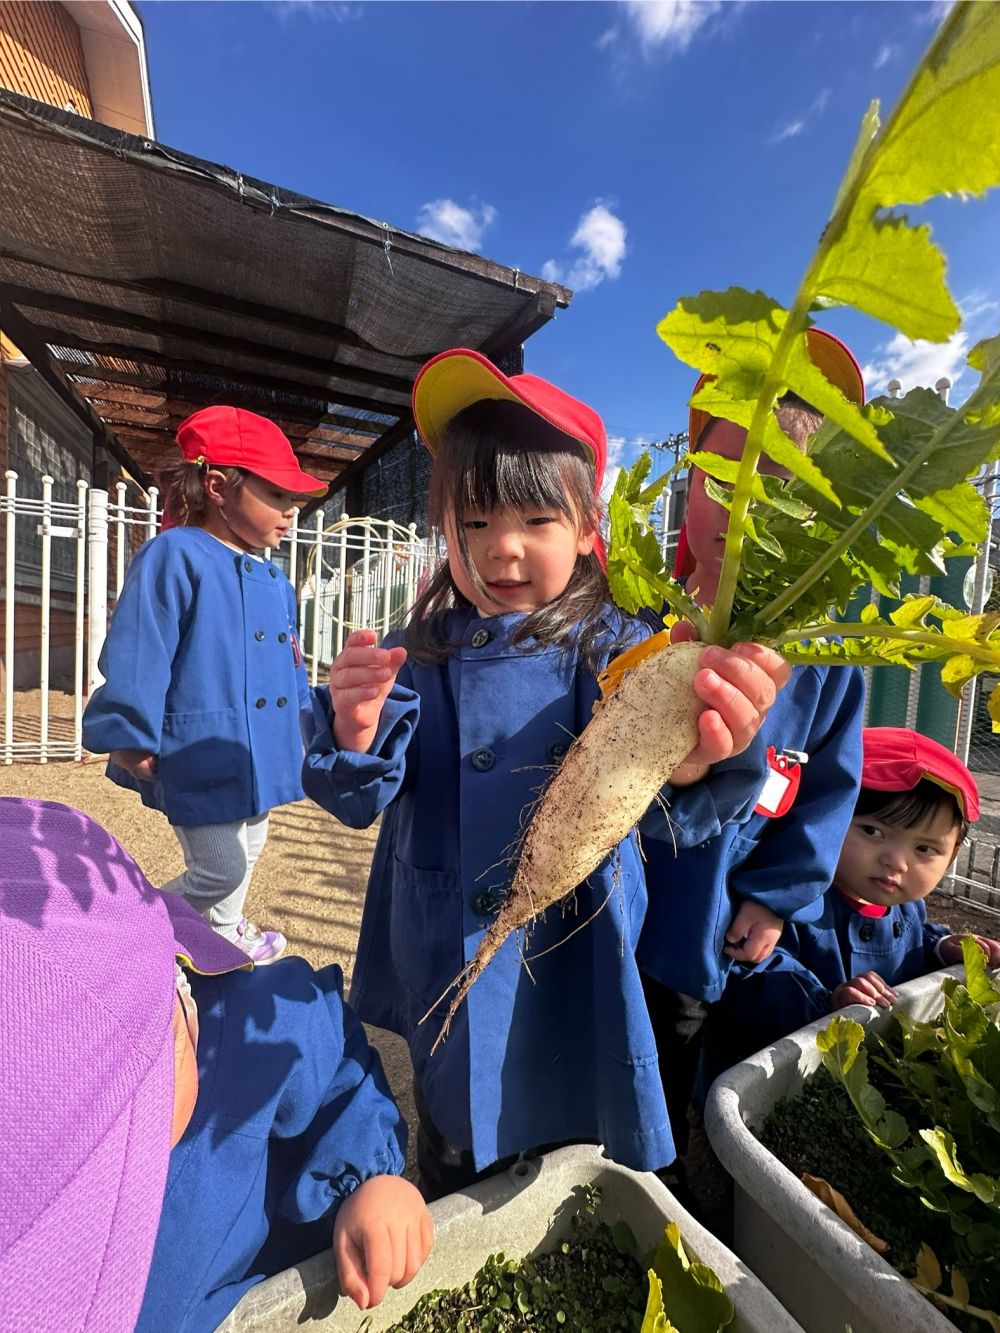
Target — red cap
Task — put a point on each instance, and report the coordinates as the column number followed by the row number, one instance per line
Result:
column 896, row 759
column 837, row 362
column 454, row 380
column 233, row 437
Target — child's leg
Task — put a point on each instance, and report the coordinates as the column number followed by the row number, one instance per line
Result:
column 678, row 1023
column 220, row 860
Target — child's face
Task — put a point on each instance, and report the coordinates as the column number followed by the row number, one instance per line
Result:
column 258, row 513
column 887, row 863
column 706, row 520
column 525, row 557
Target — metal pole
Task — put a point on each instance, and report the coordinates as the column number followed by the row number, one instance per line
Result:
column 97, row 584
column 8, row 633
column 45, row 528
column 79, row 617
column 967, row 706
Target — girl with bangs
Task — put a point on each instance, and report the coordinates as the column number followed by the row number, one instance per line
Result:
column 449, row 729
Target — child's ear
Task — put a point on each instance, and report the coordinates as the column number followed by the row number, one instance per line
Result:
column 585, row 542
column 215, row 487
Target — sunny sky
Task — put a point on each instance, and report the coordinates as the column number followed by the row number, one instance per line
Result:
column 637, row 152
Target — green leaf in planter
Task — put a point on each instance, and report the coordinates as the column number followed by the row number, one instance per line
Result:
column 845, row 1057
column 655, row 1319
column 942, row 1145
column 692, row 1292
column 978, row 981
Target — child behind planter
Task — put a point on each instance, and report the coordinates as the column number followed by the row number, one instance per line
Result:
column 722, row 901
column 177, row 1125
column 204, row 679
column 915, row 806
column 450, row 730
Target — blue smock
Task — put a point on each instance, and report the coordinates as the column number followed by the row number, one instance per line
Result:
column 202, row 669
column 784, row 862
column 293, row 1113
column 552, row 1046
column 795, row 985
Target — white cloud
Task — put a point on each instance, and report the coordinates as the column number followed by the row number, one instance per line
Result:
column 788, row 131
column 885, row 53
column 923, row 363
column 669, row 23
column 335, row 10
column 445, row 221
column 600, row 236
column 935, row 12
column 917, row 364
column 820, row 101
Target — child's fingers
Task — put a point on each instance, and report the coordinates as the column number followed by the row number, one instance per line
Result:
column 378, row 1261
column 349, row 1259
column 360, row 638
column 416, row 1250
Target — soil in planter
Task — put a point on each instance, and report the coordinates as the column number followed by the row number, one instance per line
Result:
column 818, row 1131
column 591, row 1283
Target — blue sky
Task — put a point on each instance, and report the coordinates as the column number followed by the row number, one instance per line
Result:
column 638, row 152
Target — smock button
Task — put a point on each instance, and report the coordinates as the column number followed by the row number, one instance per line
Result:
column 248, row 565
column 487, row 901
column 481, row 638
column 258, row 634
column 282, row 637
column 866, row 932
column 483, row 759
column 260, row 703
column 272, row 571
column 557, row 751
column 281, row 701
column 897, row 930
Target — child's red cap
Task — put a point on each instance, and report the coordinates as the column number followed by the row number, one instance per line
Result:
column 896, row 759
column 454, row 380
column 233, row 437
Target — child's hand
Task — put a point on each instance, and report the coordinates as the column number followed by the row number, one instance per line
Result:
column 753, row 933
column 868, row 988
column 950, row 949
column 139, row 763
column 738, row 686
column 381, row 1236
column 360, row 681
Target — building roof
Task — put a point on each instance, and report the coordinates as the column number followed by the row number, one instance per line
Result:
column 145, row 283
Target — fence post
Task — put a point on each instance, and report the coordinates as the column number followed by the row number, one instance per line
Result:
column 341, row 583
column 79, row 617
column 8, row 629
column 317, row 584
column 151, row 516
column 45, row 635
column 97, row 584
column 119, row 521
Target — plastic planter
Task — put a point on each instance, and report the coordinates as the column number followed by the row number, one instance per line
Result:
column 524, row 1211
column 814, row 1263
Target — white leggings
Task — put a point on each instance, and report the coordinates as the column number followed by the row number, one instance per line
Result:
column 220, row 859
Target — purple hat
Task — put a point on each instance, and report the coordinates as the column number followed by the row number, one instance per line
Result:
column 88, row 986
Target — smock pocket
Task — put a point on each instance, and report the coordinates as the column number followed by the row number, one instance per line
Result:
column 203, row 751
column 425, row 930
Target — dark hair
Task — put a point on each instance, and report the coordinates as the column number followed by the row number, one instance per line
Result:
column 906, row 809
column 182, row 486
column 501, row 455
column 797, row 418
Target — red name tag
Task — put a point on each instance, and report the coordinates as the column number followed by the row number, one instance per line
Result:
column 296, row 650
column 781, row 786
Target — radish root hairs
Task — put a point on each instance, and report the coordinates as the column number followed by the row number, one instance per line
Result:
column 644, row 727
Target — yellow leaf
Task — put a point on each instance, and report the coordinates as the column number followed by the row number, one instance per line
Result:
column 959, row 1286
column 928, row 1268
column 835, row 1200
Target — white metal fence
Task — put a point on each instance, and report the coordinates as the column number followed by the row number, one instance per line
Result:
column 64, row 566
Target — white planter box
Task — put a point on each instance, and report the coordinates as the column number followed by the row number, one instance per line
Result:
column 521, row 1212
column 814, row 1263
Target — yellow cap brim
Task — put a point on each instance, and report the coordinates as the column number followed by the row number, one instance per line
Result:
column 449, row 384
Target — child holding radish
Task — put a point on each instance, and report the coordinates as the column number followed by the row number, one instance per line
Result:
column 723, row 898
column 451, row 728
